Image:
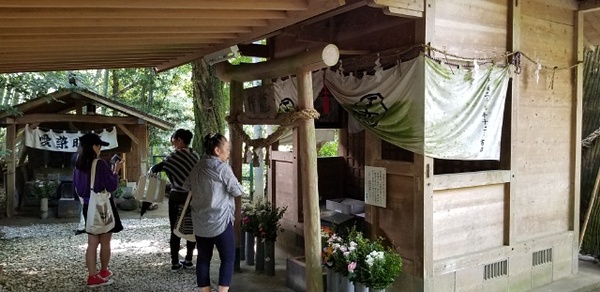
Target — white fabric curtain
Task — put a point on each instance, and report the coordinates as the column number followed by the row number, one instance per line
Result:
column 422, row 106
column 64, row 141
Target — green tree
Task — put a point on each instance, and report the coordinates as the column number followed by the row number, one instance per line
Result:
column 210, row 102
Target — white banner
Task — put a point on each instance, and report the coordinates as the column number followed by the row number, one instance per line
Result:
column 64, row 141
column 422, row 106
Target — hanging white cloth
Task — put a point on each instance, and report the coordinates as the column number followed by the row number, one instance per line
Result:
column 64, row 141
column 423, row 106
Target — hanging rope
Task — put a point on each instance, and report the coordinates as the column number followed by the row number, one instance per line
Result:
column 287, row 122
column 587, row 142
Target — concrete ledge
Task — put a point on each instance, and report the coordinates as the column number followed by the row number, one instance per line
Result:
column 296, row 275
column 587, row 280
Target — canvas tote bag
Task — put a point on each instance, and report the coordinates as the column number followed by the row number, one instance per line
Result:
column 150, row 188
column 184, row 227
column 100, row 217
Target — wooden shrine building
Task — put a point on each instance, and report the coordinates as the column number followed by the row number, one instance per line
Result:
column 506, row 223
column 76, row 111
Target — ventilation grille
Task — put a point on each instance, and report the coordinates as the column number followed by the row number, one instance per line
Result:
column 495, row 270
column 542, row 257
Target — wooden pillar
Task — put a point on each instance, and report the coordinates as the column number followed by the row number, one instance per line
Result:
column 373, row 144
column 575, row 195
column 137, row 163
column 310, row 193
column 236, row 95
column 302, row 65
column 10, row 171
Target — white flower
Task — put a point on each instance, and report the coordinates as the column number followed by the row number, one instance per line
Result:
column 346, row 253
column 369, row 260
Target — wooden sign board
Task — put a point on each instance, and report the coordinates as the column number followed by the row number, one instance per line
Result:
column 259, row 102
column 375, row 186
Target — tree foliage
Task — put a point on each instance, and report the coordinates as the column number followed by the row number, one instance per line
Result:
column 167, row 95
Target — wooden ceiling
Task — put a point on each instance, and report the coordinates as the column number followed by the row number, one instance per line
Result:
column 52, row 35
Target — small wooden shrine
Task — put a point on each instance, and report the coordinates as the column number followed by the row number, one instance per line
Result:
column 64, row 113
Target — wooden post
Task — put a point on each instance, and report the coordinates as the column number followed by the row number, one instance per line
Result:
column 11, row 166
column 576, row 120
column 236, row 95
column 302, row 65
column 309, row 182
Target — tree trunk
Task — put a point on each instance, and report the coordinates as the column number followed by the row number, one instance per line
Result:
column 210, row 102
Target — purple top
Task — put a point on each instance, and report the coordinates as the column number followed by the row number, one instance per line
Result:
column 105, row 179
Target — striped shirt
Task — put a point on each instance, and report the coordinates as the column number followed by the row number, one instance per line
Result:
column 178, row 166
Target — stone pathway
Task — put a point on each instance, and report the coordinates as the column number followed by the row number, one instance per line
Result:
column 49, row 257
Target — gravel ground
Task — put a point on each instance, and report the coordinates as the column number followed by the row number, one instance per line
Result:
column 49, row 257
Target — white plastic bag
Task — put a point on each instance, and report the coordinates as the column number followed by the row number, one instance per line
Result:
column 150, row 189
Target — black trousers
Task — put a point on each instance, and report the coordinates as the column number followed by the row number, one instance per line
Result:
column 175, row 241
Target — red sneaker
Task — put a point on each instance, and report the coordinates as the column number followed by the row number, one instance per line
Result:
column 105, row 273
column 96, row 281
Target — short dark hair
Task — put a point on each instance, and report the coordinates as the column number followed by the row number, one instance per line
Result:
column 212, row 141
column 183, row 134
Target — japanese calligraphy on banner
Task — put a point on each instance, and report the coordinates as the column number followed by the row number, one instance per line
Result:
column 375, row 189
column 64, row 141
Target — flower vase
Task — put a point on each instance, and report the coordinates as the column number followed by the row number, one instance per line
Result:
column 333, row 280
column 346, row 285
column 242, row 246
column 44, row 208
column 249, row 248
column 260, row 255
column 270, row 258
column 360, row 287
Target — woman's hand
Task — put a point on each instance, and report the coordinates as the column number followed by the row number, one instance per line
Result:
column 118, row 166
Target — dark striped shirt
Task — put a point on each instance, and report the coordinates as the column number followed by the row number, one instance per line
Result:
column 178, row 166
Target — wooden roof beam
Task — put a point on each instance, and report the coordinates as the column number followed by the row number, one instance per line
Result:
column 77, row 43
column 127, row 22
column 96, row 119
column 172, row 4
column 198, row 28
column 316, row 7
column 137, row 13
column 119, row 37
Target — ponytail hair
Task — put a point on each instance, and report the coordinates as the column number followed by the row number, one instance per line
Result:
column 212, row 141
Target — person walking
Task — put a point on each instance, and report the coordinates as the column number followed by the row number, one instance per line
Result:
column 213, row 187
column 105, row 179
column 177, row 165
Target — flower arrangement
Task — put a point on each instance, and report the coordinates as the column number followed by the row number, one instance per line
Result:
column 341, row 254
column 360, row 259
column 44, row 188
column 380, row 266
column 249, row 218
column 262, row 219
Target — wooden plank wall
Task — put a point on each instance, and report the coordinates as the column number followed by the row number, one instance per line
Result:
column 468, row 220
column 471, row 28
column 284, row 192
column 534, row 211
column 543, row 161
